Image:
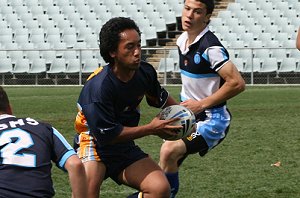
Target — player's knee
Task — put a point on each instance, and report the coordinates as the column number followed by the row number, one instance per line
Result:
column 160, row 190
column 168, row 153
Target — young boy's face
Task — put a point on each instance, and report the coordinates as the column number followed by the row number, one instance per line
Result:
column 194, row 16
column 128, row 53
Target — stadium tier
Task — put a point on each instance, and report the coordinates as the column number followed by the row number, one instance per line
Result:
column 40, row 31
column 254, row 24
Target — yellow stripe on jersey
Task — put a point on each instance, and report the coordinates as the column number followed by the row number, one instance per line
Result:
column 80, row 121
column 97, row 71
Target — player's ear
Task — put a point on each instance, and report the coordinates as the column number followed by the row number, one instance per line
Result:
column 207, row 18
column 112, row 54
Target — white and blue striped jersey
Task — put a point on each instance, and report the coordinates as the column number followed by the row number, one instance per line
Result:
column 199, row 64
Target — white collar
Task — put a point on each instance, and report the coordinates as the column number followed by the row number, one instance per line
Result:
column 181, row 41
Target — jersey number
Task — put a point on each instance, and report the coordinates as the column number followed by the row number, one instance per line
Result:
column 9, row 152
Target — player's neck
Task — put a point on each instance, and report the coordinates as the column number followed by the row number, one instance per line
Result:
column 192, row 35
column 123, row 74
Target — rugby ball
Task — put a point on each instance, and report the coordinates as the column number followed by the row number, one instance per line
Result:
column 187, row 120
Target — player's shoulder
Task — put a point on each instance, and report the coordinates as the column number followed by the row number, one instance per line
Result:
column 39, row 123
column 96, row 86
column 146, row 67
column 211, row 39
column 100, row 72
column 95, row 80
column 95, row 72
column 23, row 122
column 210, row 34
column 34, row 126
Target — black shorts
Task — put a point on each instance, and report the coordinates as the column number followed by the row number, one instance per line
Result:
column 115, row 157
column 117, row 161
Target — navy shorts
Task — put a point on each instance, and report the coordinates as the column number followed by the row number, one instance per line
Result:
column 115, row 157
column 117, row 160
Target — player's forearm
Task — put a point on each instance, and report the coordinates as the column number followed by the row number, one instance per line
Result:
column 170, row 101
column 132, row 133
column 227, row 91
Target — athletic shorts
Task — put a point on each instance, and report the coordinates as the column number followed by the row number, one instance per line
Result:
column 209, row 132
column 114, row 158
column 86, row 147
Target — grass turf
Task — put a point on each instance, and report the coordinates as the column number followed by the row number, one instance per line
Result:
column 264, row 130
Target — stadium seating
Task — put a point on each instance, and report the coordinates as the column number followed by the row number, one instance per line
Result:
column 288, row 65
column 58, row 65
column 269, row 65
column 46, row 25
column 273, row 25
column 174, row 54
column 89, row 65
column 6, row 66
column 280, row 54
column 166, row 65
column 73, row 65
column 32, row 54
column 21, row 65
column 239, row 63
column 38, row 66
column 254, row 65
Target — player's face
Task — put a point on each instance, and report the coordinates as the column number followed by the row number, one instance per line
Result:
column 128, row 54
column 194, row 17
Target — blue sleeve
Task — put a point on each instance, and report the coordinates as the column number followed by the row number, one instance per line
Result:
column 63, row 150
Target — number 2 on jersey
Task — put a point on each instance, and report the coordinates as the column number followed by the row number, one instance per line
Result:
column 9, row 149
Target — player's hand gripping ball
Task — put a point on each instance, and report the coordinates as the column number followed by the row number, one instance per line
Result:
column 187, row 120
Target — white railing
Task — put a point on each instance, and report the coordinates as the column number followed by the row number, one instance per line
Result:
column 168, row 72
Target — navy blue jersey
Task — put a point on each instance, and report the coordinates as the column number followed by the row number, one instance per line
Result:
column 27, row 148
column 199, row 64
column 108, row 104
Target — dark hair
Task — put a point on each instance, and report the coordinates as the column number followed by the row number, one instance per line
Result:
column 4, row 102
column 109, row 35
column 210, row 5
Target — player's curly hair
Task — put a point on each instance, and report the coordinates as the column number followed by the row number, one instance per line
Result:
column 110, row 35
column 4, row 102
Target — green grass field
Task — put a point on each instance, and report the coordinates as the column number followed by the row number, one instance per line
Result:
column 265, row 129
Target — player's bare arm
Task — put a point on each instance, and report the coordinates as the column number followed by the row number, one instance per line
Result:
column 234, row 84
column 170, row 101
column 155, row 127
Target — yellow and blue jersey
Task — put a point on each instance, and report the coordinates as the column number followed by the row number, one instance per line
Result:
column 106, row 104
column 80, row 121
